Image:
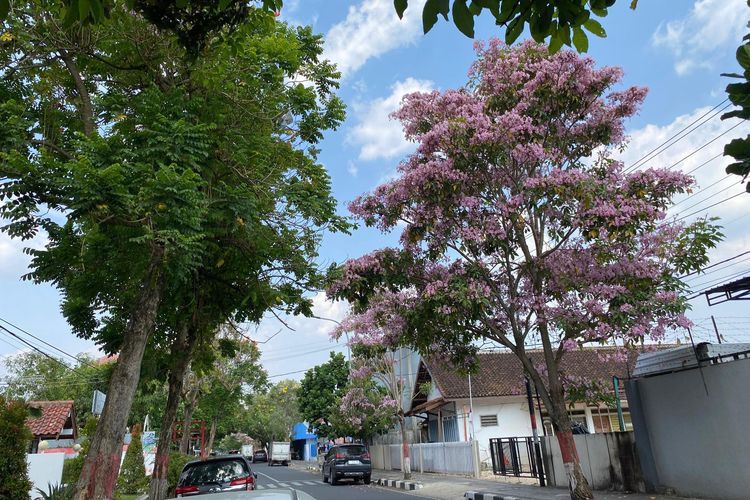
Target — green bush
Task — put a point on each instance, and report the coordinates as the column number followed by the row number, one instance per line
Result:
column 56, row 492
column 133, row 479
column 14, row 443
column 177, row 461
column 72, row 467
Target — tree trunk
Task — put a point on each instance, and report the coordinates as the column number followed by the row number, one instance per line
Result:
column 182, row 350
column 577, row 483
column 212, row 434
column 190, row 402
column 405, row 458
column 102, row 465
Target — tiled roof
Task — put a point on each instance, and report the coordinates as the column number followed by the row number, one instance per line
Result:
column 53, row 418
column 501, row 373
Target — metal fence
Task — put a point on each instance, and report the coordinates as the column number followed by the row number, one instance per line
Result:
column 447, row 458
column 514, row 456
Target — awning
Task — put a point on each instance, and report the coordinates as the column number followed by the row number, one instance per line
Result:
column 736, row 290
column 426, row 406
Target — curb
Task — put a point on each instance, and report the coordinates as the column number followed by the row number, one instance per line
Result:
column 402, row 485
column 484, row 495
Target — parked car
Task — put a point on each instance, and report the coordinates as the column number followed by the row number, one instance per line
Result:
column 347, row 461
column 216, row 475
column 260, row 456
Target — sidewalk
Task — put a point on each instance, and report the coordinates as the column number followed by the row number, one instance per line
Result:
column 446, row 487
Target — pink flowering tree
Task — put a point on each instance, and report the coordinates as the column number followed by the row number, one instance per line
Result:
column 518, row 228
column 373, row 400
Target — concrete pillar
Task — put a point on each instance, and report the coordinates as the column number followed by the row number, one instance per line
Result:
column 589, row 420
column 475, row 457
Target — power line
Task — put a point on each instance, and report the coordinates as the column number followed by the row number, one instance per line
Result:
column 717, row 263
column 705, row 145
column 696, row 193
column 711, row 206
column 704, row 163
column 35, row 347
column 650, row 155
column 45, row 342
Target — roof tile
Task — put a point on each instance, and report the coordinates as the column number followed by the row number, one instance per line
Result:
column 52, row 420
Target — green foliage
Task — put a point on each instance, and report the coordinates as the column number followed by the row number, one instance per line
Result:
column 72, row 467
column 320, row 390
column 739, row 95
column 230, row 442
column 562, row 21
column 56, row 492
column 34, row 376
column 271, row 415
column 14, row 443
column 176, row 462
column 133, row 479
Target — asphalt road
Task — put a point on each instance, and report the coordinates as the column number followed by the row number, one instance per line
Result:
column 312, row 484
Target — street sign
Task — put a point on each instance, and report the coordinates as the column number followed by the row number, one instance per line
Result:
column 97, row 403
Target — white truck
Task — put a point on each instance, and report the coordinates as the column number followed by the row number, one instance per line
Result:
column 247, row 451
column 279, row 453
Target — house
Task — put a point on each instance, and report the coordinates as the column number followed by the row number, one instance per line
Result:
column 492, row 403
column 56, row 424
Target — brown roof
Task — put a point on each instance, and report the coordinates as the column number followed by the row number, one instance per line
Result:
column 501, row 373
column 53, row 418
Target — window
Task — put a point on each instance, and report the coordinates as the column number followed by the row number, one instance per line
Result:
column 488, row 420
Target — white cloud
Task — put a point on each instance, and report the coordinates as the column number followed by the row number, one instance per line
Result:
column 285, row 351
column 13, row 262
column 713, row 184
column 711, row 25
column 377, row 135
column 371, row 29
column 352, row 168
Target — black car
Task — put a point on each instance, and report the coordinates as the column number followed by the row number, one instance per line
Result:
column 347, row 461
column 216, row 475
column 260, row 456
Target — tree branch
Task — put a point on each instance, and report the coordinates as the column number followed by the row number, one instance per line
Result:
column 52, row 147
column 86, row 109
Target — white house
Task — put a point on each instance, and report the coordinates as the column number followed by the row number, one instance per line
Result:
column 492, row 403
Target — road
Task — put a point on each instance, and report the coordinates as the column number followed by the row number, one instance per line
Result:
column 285, row 477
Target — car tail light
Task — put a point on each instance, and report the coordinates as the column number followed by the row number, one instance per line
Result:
column 366, row 455
column 249, row 481
column 340, row 455
column 185, row 489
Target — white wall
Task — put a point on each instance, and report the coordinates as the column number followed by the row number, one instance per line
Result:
column 44, row 468
column 512, row 420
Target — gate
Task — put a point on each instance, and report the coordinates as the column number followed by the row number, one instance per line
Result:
column 515, row 456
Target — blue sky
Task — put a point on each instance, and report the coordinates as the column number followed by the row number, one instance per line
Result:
column 676, row 49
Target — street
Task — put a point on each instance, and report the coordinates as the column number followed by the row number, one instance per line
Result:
column 311, row 483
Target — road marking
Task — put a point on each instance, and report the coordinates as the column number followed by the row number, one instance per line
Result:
column 313, row 483
column 272, row 486
column 295, row 483
column 269, row 477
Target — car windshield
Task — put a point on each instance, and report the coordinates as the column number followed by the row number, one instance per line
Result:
column 215, row 471
column 352, row 451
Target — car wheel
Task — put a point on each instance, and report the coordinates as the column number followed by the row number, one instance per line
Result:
column 366, row 480
column 332, row 477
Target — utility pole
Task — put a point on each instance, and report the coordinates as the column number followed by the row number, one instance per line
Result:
column 471, row 411
column 718, row 337
column 537, row 448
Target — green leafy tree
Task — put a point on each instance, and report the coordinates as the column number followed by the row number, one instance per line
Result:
column 271, row 415
column 14, row 443
column 235, row 373
column 34, row 376
column 739, row 95
column 133, row 479
column 202, row 201
column 320, row 391
column 564, row 22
